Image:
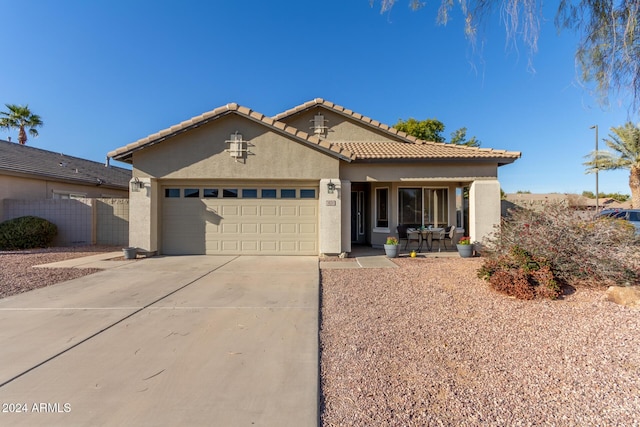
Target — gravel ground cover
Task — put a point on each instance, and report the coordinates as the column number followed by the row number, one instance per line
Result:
column 17, row 274
column 431, row 344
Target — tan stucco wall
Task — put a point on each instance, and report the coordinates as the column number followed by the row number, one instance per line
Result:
column 143, row 217
column 462, row 172
column 200, row 153
column 484, row 208
column 340, row 128
column 23, row 188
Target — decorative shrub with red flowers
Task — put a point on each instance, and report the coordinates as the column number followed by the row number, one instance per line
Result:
column 466, row 240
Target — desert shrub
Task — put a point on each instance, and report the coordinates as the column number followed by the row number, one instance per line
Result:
column 26, row 232
column 556, row 245
column 521, row 275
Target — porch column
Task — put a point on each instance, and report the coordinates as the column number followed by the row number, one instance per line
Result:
column 143, row 214
column 484, row 208
column 330, row 217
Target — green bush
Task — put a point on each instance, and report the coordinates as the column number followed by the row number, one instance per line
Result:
column 26, row 232
column 556, row 244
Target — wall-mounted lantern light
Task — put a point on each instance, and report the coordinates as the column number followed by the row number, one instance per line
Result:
column 331, row 187
column 238, row 147
column 136, row 184
column 319, row 125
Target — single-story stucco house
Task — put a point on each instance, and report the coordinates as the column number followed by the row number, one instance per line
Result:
column 312, row 180
column 29, row 173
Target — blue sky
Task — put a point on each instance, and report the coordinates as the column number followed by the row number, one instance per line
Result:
column 103, row 74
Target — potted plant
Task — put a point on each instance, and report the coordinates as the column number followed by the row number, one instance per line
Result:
column 465, row 247
column 391, row 247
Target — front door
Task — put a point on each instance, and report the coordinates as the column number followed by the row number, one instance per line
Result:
column 358, row 217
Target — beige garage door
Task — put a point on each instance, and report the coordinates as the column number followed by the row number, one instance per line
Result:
column 233, row 220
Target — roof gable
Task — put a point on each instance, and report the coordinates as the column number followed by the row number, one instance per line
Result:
column 26, row 160
column 407, row 146
column 125, row 153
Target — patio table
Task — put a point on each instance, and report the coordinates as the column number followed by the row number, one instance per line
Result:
column 425, row 235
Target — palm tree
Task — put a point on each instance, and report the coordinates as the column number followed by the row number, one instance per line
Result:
column 20, row 117
column 625, row 143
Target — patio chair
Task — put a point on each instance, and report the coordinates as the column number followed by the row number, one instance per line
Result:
column 450, row 235
column 439, row 236
column 403, row 234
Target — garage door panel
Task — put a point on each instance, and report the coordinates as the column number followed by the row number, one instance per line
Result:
column 288, row 228
column 288, row 211
column 268, row 246
column 288, row 246
column 246, row 228
column 268, row 228
column 308, row 247
column 230, row 210
column 251, row 245
column 249, row 210
column 230, row 245
column 211, row 228
column 308, row 211
column 268, row 210
column 308, row 229
column 230, row 228
column 239, row 226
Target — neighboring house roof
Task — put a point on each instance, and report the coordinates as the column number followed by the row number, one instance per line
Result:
column 24, row 160
column 125, row 153
column 408, row 148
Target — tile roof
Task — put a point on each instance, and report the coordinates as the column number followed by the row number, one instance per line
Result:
column 422, row 150
column 125, row 153
column 407, row 148
column 400, row 150
column 23, row 159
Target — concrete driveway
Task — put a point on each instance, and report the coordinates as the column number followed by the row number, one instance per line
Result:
column 192, row 340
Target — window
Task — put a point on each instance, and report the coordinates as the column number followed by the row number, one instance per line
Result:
column 423, row 206
column 287, row 193
column 436, row 207
column 382, row 207
column 410, row 206
column 307, row 193
column 229, row 192
column 268, row 193
column 171, row 192
column 192, row 192
column 249, row 193
column 210, row 193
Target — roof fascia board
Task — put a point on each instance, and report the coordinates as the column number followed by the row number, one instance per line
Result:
column 501, row 161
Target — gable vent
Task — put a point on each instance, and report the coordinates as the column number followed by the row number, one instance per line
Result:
column 319, row 125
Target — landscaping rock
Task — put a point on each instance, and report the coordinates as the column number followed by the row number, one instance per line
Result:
column 628, row 296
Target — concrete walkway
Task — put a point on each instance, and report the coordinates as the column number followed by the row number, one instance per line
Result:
column 193, row 340
column 368, row 257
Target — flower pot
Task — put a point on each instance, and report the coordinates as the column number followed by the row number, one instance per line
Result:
column 391, row 250
column 130, row 253
column 465, row 251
